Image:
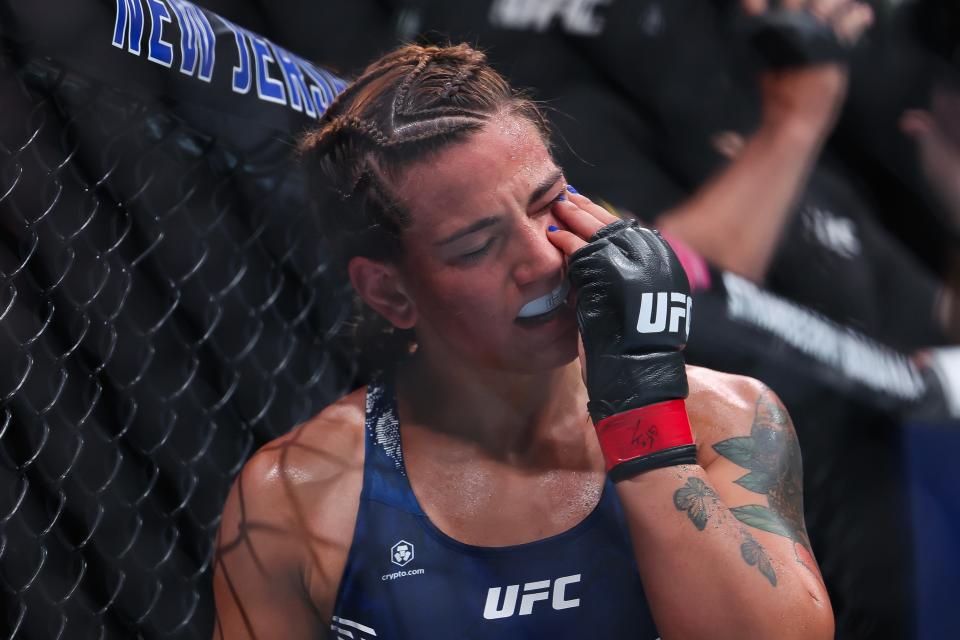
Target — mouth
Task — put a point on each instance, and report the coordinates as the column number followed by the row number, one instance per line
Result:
column 545, row 307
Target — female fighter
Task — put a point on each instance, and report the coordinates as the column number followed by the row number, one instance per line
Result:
column 490, row 484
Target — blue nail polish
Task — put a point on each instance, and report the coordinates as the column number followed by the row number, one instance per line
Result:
column 571, row 189
column 561, row 197
column 552, row 228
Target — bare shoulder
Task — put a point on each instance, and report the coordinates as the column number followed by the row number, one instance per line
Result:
column 723, row 406
column 288, row 522
column 308, row 474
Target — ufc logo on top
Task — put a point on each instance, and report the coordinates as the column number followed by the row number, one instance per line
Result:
column 532, row 592
column 653, row 316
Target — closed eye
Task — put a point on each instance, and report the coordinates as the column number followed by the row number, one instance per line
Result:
column 546, row 207
column 476, row 253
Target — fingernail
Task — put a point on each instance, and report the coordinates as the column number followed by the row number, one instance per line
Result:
column 552, row 228
column 571, row 189
column 561, row 197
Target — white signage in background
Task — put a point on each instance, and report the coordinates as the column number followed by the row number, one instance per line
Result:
column 857, row 356
column 833, row 231
column 945, row 363
column 577, row 17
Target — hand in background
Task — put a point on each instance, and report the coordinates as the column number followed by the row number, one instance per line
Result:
column 804, row 44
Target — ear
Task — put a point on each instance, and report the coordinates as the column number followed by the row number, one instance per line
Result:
column 379, row 285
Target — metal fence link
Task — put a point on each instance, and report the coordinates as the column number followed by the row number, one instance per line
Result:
column 165, row 308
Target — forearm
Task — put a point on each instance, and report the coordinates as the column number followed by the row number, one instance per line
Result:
column 709, row 571
column 706, row 575
column 947, row 310
column 736, row 219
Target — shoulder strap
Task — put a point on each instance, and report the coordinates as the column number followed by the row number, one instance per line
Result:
column 384, row 475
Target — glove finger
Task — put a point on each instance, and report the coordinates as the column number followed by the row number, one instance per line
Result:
column 614, row 228
column 648, row 247
column 582, row 257
column 594, row 272
column 640, row 243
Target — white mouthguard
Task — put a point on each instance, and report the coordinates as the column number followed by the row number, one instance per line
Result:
column 546, row 303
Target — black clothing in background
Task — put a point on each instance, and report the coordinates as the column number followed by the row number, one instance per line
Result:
column 836, row 258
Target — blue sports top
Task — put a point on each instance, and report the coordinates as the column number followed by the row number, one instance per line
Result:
column 406, row 579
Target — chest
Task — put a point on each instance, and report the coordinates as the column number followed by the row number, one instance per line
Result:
column 405, row 576
column 491, row 504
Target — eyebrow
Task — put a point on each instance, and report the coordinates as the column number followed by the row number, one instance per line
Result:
column 489, row 221
column 544, row 186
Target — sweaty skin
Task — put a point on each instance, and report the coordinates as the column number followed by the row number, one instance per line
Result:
column 497, row 441
column 289, row 520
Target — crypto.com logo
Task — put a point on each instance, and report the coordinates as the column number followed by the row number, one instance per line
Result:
column 401, row 554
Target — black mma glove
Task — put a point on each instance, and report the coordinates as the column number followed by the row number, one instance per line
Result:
column 633, row 308
column 794, row 39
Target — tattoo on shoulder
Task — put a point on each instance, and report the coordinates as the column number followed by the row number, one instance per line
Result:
column 702, row 503
column 771, row 454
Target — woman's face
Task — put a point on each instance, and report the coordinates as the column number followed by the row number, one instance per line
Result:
column 487, row 284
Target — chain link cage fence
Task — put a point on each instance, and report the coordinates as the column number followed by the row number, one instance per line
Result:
column 166, row 308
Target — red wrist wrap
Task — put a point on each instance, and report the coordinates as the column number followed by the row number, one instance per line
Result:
column 641, row 432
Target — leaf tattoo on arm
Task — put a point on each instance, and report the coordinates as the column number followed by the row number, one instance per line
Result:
column 771, row 453
column 701, row 502
column 771, row 456
column 754, row 554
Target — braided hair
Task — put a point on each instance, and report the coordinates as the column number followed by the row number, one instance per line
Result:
column 404, row 107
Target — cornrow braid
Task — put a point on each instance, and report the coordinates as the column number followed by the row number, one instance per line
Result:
column 369, row 74
column 370, row 129
column 452, row 86
column 403, row 108
column 415, row 55
column 400, row 96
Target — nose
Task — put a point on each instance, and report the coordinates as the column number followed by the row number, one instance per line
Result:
column 536, row 260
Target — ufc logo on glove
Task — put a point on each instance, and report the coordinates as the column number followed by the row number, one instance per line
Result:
column 653, row 312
